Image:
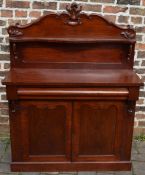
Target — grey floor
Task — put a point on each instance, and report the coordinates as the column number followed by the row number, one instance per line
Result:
column 138, row 161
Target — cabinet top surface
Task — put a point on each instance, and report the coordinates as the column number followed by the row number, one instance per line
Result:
column 72, row 77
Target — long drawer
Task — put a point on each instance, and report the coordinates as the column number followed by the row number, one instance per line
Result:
column 72, row 93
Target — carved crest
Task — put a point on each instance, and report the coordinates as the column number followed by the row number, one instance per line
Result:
column 72, row 17
column 74, row 14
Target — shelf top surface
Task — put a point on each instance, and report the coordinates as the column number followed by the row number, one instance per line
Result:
column 72, row 77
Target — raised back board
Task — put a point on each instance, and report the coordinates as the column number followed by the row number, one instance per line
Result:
column 71, row 39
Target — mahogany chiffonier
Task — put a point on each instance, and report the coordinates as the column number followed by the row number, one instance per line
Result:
column 72, row 93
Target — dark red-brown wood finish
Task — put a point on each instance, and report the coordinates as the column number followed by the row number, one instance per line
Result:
column 72, row 93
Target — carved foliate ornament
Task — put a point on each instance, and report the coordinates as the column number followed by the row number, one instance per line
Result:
column 74, row 14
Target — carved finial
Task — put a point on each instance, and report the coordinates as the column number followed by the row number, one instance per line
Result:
column 74, row 13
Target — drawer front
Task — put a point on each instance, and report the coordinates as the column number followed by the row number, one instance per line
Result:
column 72, row 93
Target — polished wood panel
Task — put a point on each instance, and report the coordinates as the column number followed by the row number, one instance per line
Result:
column 46, row 54
column 92, row 26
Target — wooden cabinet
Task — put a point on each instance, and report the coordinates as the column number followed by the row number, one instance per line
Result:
column 72, row 93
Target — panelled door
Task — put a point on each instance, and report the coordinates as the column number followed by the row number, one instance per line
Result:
column 97, row 130
column 43, row 130
column 50, row 131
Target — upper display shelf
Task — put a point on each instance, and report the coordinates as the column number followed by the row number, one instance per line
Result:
column 72, row 24
column 71, row 40
column 52, row 42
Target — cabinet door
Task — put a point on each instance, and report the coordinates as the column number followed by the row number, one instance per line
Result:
column 97, row 130
column 44, row 131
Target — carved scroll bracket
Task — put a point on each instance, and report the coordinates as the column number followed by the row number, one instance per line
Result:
column 131, row 107
column 130, row 52
column 74, row 14
column 14, row 30
column 128, row 35
column 14, row 105
column 15, row 51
